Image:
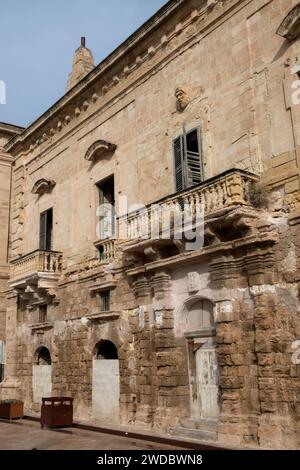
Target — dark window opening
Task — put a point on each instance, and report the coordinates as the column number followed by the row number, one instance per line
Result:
column 188, row 160
column 105, row 301
column 46, row 229
column 101, row 252
column 106, row 350
column 106, row 191
column 42, row 313
column 43, row 357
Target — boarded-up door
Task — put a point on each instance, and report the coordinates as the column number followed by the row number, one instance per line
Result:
column 106, row 390
column 207, row 381
column 41, row 382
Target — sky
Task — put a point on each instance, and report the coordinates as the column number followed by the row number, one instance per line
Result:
column 38, row 39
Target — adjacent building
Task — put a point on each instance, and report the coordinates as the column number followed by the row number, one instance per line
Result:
column 188, row 328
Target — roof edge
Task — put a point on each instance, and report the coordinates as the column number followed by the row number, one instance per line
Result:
column 118, row 53
column 11, row 128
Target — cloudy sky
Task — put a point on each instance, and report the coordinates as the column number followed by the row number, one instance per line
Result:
column 38, row 39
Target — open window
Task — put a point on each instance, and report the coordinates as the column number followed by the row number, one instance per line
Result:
column 106, row 194
column 43, row 313
column 188, row 160
column 46, row 230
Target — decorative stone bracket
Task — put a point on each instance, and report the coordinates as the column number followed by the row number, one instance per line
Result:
column 43, row 186
column 35, row 295
column 99, row 149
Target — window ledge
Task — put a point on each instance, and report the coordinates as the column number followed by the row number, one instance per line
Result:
column 41, row 326
column 103, row 316
column 103, row 287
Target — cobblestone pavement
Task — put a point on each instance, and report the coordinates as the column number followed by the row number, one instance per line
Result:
column 25, row 436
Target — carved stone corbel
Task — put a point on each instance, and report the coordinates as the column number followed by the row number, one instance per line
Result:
column 153, row 253
column 142, row 288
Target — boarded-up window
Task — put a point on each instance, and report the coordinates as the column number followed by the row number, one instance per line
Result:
column 188, row 160
column 46, row 228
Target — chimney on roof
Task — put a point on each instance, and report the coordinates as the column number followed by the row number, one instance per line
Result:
column 83, row 63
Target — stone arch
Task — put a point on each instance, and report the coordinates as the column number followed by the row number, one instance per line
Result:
column 198, row 315
column 106, row 382
column 41, row 375
column 42, row 356
column 105, row 349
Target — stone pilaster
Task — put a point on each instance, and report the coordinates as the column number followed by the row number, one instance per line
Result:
column 10, row 387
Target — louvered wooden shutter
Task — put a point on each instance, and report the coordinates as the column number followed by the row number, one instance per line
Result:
column 101, row 213
column 49, row 228
column 43, row 230
column 193, row 157
column 179, row 163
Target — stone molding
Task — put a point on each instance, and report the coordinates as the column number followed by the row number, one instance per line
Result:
column 290, row 27
column 43, row 186
column 87, row 93
column 99, row 149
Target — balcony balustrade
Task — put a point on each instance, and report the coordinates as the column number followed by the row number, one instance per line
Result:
column 210, row 198
column 34, row 266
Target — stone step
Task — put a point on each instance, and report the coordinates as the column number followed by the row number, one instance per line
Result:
column 197, row 434
column 201, row 424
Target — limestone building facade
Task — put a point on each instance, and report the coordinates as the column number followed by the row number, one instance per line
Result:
column 197, row 113
column 7, row 131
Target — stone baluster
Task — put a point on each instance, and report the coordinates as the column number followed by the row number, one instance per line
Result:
column 234, row 185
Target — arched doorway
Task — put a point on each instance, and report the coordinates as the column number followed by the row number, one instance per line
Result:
column 106, row 382
column 202, row 357
column 41, row 375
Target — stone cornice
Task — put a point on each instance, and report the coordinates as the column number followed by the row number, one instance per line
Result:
column 5, row 158
column 112, row 72
column 260, row 239
column 10, row 128
column 102, row 67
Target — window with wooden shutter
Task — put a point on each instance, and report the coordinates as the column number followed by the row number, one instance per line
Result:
column 188, row 160
column 178, row 149
column 193, row 158
column 106, row 191
column 46, row 227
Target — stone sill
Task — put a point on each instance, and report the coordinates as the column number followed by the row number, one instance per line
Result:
column 41, row 326
column 104, row 286
column 103, row 316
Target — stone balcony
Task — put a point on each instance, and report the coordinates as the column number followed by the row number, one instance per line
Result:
column 107, row 250
column 219, row 203
column 36, row 271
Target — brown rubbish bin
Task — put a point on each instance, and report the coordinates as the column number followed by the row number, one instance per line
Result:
column 57, row 412
column 11, row 409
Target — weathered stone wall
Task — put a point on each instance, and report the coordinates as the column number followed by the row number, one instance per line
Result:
column 5, row 177
column 247, row 79
column 236, row 71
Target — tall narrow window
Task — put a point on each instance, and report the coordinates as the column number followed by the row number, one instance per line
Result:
column 42, row 313
column 106, row 190
column 105, row 301
column 188, row 160
column 46, row 229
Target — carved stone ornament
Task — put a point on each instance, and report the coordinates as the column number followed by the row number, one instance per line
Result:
column 99, row 149
column 193, row 282
column 183, row 99
column 290, row 27
column 43, row 186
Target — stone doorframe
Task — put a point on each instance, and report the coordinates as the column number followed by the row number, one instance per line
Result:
column 204, row 334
